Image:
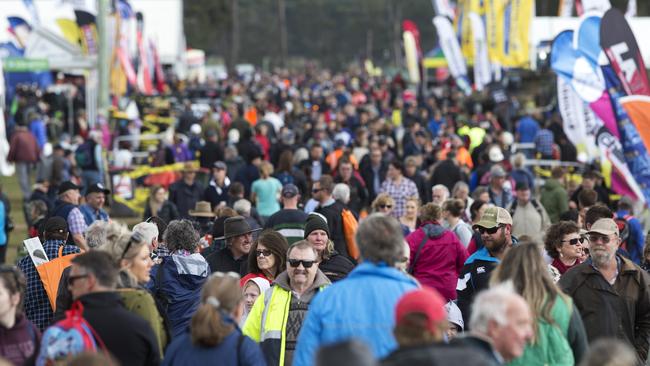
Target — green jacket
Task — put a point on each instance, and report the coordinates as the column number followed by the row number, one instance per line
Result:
column 141, row 302
column 551, row 345
column 554, row 199
column 267, row 321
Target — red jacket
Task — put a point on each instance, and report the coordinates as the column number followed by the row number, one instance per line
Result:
column 23, row 147
column 441, row 258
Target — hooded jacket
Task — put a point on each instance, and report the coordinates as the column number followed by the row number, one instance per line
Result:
column 439, row 261
column 267, row 321
column 19, row 344
column 554, row 199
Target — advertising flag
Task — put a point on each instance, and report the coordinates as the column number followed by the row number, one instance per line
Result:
column 20, row 29
column 619, row 44
column 412, row 50
column 451, row 49
column 442, row 7
column 638, row 109
column 482, row 69
column 88, row 31
column 518, row 16
column 579, row 122
column 494, row 19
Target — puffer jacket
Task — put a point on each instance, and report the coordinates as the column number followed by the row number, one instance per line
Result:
column 441, row 259
column 554, row 199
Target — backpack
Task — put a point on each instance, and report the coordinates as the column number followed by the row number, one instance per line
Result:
column 84, row 155
column 50, row 274
column 350, row 226
column 68, row 337
column 536, row 205
column 624, row 230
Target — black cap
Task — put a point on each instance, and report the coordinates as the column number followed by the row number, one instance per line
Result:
column 98, row 188
column 290, row 190
column 66, row 186
column 56, row 224
column 522, row 186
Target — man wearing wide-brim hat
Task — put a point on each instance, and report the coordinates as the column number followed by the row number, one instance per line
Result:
column 186, row 192
column 234, row 257
column 203, row 216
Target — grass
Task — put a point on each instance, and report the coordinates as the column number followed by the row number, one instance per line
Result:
column 11, row 188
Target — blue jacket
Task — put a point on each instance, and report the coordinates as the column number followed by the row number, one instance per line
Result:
column 179, row 284
column 3, row 222
column 361, row 306
column 229, row 352
column 635, row 240
column 37, row 128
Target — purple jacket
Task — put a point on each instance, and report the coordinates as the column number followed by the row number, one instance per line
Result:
column 20, row 343
column 441, row 258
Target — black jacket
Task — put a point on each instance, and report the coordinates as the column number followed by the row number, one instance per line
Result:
column 185, row 197
column 365, row 169
column 437, row 354
column 479, row 345
column 127, row 336
column 336, row 267
column 211, row 152
column 446, row 173
column 167, row 212
column 223, row 261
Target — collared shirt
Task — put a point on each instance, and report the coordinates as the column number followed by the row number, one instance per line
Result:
column 76, row 222
column 618, row 269
column 400, row 192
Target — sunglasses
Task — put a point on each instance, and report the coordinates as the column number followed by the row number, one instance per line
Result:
column 594, row 238
column 574, row 241
column 263, row 253
column 385, row 206
column 72, row 279
column 136, row 237
column 316, row 190
column 490, row 231
column 297, row 262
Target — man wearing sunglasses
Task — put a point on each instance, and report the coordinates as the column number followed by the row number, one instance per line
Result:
column 610, row 291
column 495, row 228
column 278, row 313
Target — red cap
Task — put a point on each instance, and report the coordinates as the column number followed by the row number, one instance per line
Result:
column 424, row 301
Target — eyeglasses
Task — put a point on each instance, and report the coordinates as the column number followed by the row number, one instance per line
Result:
column 575, row 241
column 316, row 190
column 263, row 253
column 136, row 237
column 595, row 238
column 490, row 231
column 385, row 206
column 296, row 262
column 72, row 279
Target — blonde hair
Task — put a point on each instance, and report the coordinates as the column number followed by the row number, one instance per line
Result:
column 266, row 169
column 382, row 199
column 116, row 249
column 220, row 296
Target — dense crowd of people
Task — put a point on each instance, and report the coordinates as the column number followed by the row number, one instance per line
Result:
column 323, row 219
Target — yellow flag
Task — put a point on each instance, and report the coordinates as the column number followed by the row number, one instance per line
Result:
column 70, row 30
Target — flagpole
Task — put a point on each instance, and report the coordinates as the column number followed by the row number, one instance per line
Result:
column 103, row 58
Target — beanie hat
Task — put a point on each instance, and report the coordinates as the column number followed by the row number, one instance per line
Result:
column 316, row 221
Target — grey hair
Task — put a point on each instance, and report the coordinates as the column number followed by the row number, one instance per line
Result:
column 518, row 160
column 380, row 239
column 101, row 232
column 609, row 352
column 242, row 206
column 341, row 193
column 180, row 234
column 491, row 305
column 301, row 244
column 148, row 230
column 459, row 185
column 444, row 189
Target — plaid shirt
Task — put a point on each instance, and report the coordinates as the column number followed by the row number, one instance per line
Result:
column 37, row 305
column 400, row 192
column 544, row 142
column 76, row 222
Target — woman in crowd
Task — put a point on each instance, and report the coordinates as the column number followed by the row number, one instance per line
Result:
column 19, row 338
column 410, row 217
column 131, row 254
column 452, row 212
column 385, row 204
column 565, row 245
column 177, row 280
column 560, row 337
column 332, row 264
column 253, row 288
column 461, row 192
column 214, row 337
column 265, row 191
column 267, row 256
column 158, row 205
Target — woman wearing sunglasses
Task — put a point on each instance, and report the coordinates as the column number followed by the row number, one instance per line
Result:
column 385, row 204
column 131, row 254
column 19, row 338
column 565, row 245
column 268, row 257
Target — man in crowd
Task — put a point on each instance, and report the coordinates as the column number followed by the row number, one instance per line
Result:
column 358, row 191
column 398, row 187
column 290, row 221
column 611, row 293
column 217, row 190
column 24, row 152
column 186, row 192
column 148, row 231
column 500, row 195
column 501, row 323
column 278, row 313
column 93, row 209
column 554, row 197
column 635, row 238
column 362, row 305
column 239, row 239
column 373, row 171
column 331, row 209
column 316, row 163
column 67, row 208
column 128, row 337
column 37, row 304
column 528, row 216
column 439, row 194
column 495, row 227
column 589, row 182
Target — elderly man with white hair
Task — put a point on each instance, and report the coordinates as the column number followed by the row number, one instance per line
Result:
column 148, row 231
column 439, row 194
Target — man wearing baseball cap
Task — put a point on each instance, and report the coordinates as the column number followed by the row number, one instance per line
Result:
column 420, row 327
column 93, row 209
column 610, row 291
column 289, row 221
column 495, row 228
column 67, row 207
column 217, row 190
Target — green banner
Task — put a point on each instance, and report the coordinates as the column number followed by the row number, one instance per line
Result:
column 19, row 64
